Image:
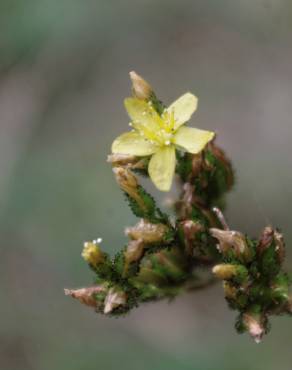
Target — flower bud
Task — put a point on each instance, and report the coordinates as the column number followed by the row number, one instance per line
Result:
column 171, row 262
column 127, row 160
column 129, row 184
column 141, row 89
column 118, row 159
column 92, row 253
column 134, row 251
column 280, row 293
column 229, row 290
column 149, row 275
column 227, row 271
column 282, row 308
column 86, row 295
column 279, row 286
column 126, row 180
column 114, row 299
column 190, row 231
column 197, row 164
column 236, row 296
column 232, row 240
column 148, row 232
column 271, row 238
column 220, row 155
column 255, row 323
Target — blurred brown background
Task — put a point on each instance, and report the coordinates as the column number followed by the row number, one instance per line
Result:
column 63, row 76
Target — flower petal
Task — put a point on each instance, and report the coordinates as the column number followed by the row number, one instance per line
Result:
column 183, row 108
column 142, row 114
column 133, row 143
column 192, row 139
column 161, row 167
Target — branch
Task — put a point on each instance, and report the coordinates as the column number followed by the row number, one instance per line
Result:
column 164, row 258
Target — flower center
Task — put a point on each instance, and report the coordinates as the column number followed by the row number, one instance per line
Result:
column 161, row 133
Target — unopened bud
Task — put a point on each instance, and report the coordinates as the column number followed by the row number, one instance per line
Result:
column 232, row 240
column 141, row 88
column 86, row 295
column 114, row 299
column 282, row 308
column 126, row 180
column 229, row 290
column 280, row 293
column 272, row 238
column 148, row 232
column 171, row 262
column 118, row 159
column 149, row 275
column 129, row 184
column 126, row 160
column 224, row 271
column 228, row 271
column 190, row 231
column 197, row 164
column 255, row 324
column 221, row 156
column 280, row 288
column 92, row 253
column 134, row 251
column 280, row 246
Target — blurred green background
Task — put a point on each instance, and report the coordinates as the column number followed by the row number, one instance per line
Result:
column 63, row 75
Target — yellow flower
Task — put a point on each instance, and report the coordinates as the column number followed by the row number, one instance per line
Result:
column 92, row 254
column 158, row 136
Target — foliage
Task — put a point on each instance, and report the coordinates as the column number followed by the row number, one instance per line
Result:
column 163, row 259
